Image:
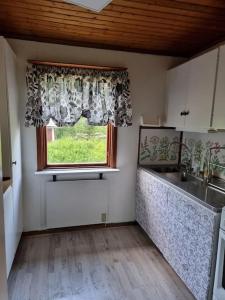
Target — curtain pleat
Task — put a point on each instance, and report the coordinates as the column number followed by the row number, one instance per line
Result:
column 65, row 94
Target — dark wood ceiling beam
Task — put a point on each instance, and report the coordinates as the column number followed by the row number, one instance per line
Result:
column 70, row 26
column 36, row 15
column 70, row 10
column 183, row 18
column 107, row 35
column 100, row 40
column 105, row 20
column 156, row 50
column 163, row 26
column 145, row 8
column 207, row 3
column 95, row 37
column 173, row 6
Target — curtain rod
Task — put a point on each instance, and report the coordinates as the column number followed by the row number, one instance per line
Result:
column 56, row 64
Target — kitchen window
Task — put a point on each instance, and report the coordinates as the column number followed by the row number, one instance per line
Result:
column 81, row 145
column 76, row 111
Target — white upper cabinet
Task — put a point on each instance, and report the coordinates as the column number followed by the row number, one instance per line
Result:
column 177, row 79
column 190, row 93
column 219, row 105
column 201, row 89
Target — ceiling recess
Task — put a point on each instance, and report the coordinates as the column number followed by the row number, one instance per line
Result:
column 94, row 5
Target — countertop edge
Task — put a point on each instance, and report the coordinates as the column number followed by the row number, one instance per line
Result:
column 179, row 189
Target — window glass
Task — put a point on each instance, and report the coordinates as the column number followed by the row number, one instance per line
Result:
column 80, row 144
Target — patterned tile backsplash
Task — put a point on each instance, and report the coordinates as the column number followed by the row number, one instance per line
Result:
column 159, row 146
column 199, row 144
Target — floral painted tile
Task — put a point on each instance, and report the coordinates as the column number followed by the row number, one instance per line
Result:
column 199, row 145
column 159, row 146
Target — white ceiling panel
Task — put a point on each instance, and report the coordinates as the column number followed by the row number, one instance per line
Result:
column 95, row 5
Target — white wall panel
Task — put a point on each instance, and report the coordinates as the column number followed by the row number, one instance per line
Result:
column 147, row 75
column 74, row 203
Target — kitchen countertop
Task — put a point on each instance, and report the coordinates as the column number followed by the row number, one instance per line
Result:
column 195, row 188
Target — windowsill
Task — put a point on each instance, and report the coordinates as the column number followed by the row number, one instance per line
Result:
column 78, row 171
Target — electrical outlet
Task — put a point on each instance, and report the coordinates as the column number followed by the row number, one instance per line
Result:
column 103, row 217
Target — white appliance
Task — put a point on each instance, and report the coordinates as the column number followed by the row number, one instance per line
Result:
column 219, row 284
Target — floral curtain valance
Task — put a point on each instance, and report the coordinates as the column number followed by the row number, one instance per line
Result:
column 65, row 94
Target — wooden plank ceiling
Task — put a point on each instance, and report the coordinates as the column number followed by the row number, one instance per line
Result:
column 170, row 27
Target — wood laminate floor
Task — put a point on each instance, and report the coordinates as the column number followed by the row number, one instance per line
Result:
column 118, row 263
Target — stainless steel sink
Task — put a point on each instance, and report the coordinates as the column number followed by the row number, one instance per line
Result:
column 165, row 169
column 176, row 176
column 208, row 195
column 172, row 172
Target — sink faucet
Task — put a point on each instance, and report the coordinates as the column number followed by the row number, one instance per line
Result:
column 188, row 165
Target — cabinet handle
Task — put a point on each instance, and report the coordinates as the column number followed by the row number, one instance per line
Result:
column 182, row 113
column 187, row 112
column 13, row 162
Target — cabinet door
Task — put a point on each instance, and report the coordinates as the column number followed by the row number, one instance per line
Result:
column 201, row 91
column 143, row 189
column 3, row 276
column 151, row 208
column 14, row 122
column 219, row 105
column 177, row 84
column 9, row 228
column 192, row 234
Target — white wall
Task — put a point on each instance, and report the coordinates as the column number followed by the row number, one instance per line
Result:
column 147, row 75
